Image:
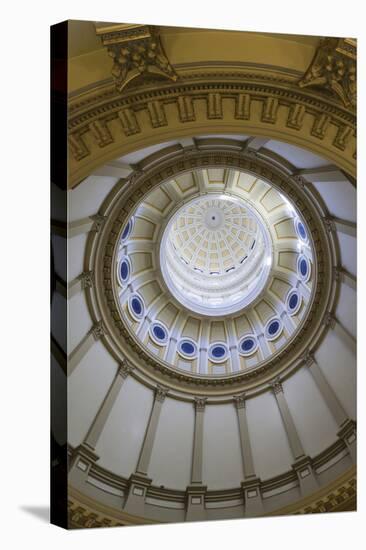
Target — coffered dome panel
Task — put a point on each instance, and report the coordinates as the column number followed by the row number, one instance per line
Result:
column 216, row 273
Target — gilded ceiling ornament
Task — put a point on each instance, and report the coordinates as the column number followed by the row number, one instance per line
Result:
column 334, row 68
column 136, row 51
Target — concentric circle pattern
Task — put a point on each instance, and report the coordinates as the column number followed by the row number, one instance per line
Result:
column 215, row 254
column 221, row 272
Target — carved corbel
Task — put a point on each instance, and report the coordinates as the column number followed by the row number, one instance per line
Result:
column 136, row 51
column 334, row 69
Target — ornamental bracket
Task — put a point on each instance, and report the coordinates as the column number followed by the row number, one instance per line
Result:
column 334, row 69
column 136, row 51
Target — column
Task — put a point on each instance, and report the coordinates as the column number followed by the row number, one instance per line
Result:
column 327, row 392
column 104, row 411
column 251, row 484
column 302, row 464
column 196, row 491
column 145, row 455
column 84, row 455
column 84, row 346
column 139, row 481
column 347, row 338
column 347, row 427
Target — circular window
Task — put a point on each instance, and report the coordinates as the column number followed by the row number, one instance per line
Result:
column 293, row 302
column 273, row 328
column 136, row 306
column 124, row 270
column 248, row 345
column 300, row 230
column 303, row 268
column 218, row 352
column 159, row 333
column 187, row 348
column 127, row 230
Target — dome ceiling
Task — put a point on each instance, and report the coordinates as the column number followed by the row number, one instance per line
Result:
column 214, row 271
column 210, row 284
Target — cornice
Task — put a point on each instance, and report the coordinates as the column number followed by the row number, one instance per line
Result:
column 106, row 125
column 338, row 495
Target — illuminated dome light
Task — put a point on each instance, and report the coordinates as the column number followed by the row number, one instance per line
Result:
column 218, row 352
column 248, row 345
column 303, row 268
column 136, row 307
column 216, row 254
column 273, row 328
column 124, row 270
column 293, row 302
column 159, row 334
column 187, row 348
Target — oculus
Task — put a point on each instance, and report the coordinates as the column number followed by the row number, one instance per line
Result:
column 127, row 230
column 159, row 334
column 293, row 302
column 136, row 306
column 187, row 348
column 124, row 270
column 273, row 328
column 300, row 230
column 218, row 352
column 303, row 268
column 248, row 345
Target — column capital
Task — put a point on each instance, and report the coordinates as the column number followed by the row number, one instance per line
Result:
column 337, row 273
column 329, row 224
column 276, row 386
column 98, row 330
column 125, row 369
column 200, row 403
column 240, row 401
column 99, row 221
column 160, row 393
column 329, row 320
column 87, row 279
column 308, row 358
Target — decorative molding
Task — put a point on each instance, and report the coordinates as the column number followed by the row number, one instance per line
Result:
column 308, row 358
column 87, row 279
column 333, row 68
column 329, row 320
column 200, row 403
column 276, row 386
column 99, row 222
column 151, row 178
column 136, row 51
column 239, row 401
column 329, row 225
column 314, row 119
column 125, row 369
column 98, row 330
column 270, row 108
column 161, row 393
